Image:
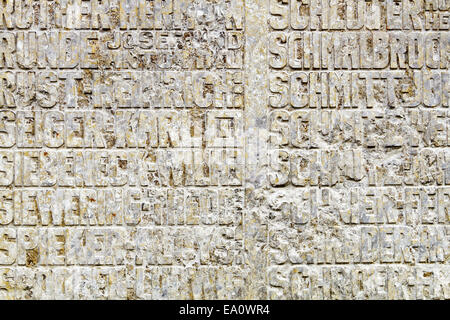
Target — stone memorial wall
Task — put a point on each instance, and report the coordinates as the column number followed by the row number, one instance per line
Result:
column 224, row 149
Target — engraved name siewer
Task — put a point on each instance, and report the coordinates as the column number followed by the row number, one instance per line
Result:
column 224, row 149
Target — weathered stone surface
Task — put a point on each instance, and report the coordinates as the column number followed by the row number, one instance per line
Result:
column 224, row 149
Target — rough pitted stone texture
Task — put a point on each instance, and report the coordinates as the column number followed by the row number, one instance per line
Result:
column 224, row 149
